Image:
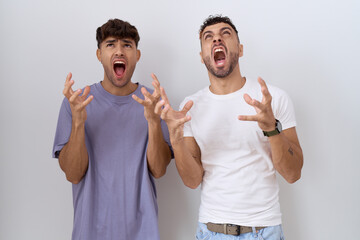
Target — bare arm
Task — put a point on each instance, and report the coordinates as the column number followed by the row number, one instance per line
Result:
column 73, row 158
column 188, row 162
column 186, row 150
column 158, row 152
column 287, row 154
column 285, row 147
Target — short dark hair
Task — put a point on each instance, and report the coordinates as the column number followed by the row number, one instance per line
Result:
column 214, row 19
column 117, row 28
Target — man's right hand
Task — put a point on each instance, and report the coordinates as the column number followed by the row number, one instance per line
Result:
column 175, row 120
column 77, row 102
column 73, row 157
column 186, row 150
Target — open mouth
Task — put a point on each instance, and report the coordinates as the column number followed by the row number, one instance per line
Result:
column 219, row 56
column 119, row 68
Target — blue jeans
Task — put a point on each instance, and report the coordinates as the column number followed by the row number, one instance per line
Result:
column 268, row 233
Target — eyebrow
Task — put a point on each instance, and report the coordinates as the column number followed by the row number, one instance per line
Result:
column 221, row 30
column 110, row 41
column 126, row 41
column 122, row 40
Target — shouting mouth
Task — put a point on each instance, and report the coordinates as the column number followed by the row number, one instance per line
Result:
column 119, row 67
column 219, row 56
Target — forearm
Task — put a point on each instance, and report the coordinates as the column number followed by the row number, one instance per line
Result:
column 287, row 157
column 158, row 151
column 188, row 164
column 73, row 158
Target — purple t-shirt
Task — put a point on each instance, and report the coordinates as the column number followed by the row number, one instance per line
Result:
column 116, row 199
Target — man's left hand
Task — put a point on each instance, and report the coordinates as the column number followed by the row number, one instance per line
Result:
column 149, row 101
column 265, row 116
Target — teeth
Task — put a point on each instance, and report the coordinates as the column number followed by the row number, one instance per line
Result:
column 218, row 50
column 119, row 62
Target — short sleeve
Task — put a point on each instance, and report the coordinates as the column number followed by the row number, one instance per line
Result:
column 187, row 126
column 283, row 109
column 63, row 129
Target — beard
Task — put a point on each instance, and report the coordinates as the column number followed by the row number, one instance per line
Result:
column 223, row 72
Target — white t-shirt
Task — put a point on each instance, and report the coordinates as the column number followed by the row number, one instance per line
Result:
column 239, row 184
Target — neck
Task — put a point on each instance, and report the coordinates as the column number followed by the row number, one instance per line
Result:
column 125, row 90
column 231, row 83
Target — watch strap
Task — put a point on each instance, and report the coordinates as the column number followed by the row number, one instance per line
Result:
column 273, row 132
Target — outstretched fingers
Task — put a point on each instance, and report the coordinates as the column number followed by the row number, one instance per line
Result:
column 74, row 96
column 248, row 117
column 146, row 94
column 87, row 101
column 67, row 86
column 158, row 107
column 156, row 85
column 187, row 106
column 185, row 119
column 265, row 91
column 85, row 93
column 139, row 100
column 253, row 102
column 164, row 112
column 163, row 95
column 178, row 122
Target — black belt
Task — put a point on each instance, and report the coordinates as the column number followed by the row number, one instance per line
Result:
column 230, row 229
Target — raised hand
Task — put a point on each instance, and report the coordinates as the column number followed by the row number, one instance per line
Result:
column 265, row 116
column 174, row 119
column 77, row 102
column 150, row 100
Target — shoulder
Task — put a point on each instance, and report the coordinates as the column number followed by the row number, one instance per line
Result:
column 196, row 97
column 274, row 90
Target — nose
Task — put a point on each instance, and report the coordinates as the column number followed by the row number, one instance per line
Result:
column 217, row 38
column 119, row 51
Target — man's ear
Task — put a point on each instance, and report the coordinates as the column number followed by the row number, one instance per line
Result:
column 98, row 54
column 241, row 50
column 202, row 60
column 138, row 55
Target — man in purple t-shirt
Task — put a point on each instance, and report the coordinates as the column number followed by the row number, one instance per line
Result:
column 110, row 146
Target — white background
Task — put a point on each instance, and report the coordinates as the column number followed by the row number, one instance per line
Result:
column 308, row 48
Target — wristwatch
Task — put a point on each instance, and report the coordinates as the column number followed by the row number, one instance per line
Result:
column 278, row 129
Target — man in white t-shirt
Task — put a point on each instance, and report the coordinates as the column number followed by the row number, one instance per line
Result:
column 232, row 144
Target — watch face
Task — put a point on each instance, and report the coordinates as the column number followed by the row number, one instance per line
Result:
column 278, row 125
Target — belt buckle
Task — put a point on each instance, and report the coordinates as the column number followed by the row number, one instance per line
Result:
column 237, row 230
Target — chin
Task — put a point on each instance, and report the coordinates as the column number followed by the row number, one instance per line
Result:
column 120, row 82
